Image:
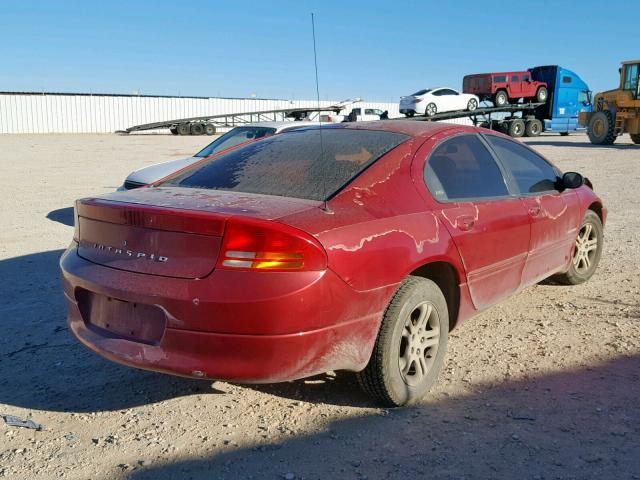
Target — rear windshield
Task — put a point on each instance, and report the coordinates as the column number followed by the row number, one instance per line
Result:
column 421, row 92
column 291, row 164
column 235, row 137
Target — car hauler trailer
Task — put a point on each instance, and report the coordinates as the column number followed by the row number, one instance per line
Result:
column 568, row 96
column 515, row 126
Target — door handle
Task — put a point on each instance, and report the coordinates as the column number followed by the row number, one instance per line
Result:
column 534, row 211
column 466, row 223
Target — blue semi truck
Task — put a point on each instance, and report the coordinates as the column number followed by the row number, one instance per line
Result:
column 568, row 96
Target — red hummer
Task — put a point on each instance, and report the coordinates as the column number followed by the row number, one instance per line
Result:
column 505, row 87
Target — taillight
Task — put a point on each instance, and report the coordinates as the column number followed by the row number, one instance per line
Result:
column 260, row 245
column 418, row 100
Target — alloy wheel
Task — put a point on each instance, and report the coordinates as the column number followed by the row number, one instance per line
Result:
column 419, row 343
column 586, row 248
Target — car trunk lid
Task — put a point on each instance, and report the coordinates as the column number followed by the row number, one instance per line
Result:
column 174, row 232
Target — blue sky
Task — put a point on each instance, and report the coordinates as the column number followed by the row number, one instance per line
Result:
column 378, row 50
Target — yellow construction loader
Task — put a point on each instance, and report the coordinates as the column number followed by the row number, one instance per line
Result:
column 616, row 111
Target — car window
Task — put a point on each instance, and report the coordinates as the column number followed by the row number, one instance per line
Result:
column 437, row 93
column 357, row 111
column 531, row 172
column 500, row 79
column 448, row 91
column 515, row 78
column 526, row 77
column 462, row 168
column 421, row 92
column 235, row 137
column 371, row 111
column 307, row 163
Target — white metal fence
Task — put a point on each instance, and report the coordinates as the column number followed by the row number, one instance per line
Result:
column 87, row 113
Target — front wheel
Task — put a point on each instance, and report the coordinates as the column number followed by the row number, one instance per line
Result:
column 587, row 251
column 501, row 99
column 472, row 105
column 411, row 345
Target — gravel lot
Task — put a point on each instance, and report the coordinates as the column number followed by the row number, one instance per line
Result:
column 545, row 385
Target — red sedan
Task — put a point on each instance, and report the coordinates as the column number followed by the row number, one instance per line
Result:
column 352, row 247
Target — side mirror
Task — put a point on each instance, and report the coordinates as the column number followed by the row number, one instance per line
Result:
column 572, row 180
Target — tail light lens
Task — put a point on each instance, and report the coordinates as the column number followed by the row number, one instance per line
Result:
column 418, row 99
column 269, row 246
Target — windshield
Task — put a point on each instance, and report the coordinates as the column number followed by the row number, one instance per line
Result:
column 235, row 137
column 293, row 164
column 421, row 92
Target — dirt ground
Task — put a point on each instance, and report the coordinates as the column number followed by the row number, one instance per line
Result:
column 544, row 386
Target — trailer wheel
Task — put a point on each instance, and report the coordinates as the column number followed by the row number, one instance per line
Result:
column 197, row 129
column 541, row 94
column 173, row 130
column 516, row 128
column 533, row 128
column 601, row 128
column 501, row 99
column 209, row 129
column 183, row 129
column 635, row 138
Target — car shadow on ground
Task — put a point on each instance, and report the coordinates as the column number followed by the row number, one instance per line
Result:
column 62, row 215
column 582, row 423
column 560, row 143
column 42, row 367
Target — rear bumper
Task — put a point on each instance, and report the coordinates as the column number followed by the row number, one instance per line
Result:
column 238, row 326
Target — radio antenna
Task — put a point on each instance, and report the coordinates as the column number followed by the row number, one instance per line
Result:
column 322, row 162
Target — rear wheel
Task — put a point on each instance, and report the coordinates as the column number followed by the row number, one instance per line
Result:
column 472, row 105
column 197, row 129
column 501, row 99
column 410, row 113
column 541, row 95
column 431, row 110
column 516, row 128
column 635, row 137
column 411, row 344
column 209, row 129
column 183, row 129
column 587, row 252
column 533, row 128
column 601, row 128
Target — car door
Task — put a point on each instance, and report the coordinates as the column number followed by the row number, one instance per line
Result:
column 448, row 99
column 486, row 219
column 515, row 86
column 555, row 215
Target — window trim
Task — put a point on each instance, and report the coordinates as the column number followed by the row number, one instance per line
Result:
column 508, row 180
column 508, row 172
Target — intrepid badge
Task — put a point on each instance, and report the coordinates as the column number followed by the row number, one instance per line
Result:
column 130, row 253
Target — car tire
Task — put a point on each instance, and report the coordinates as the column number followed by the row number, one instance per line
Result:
column 516, row 128
column 601, row 129
column 542, row 95
column 209, row 129
column 197, row 129
column 411, row 345
column 501, row 99
column 410, row 114
column 183, row 129
column 635, row 138
column 430, row 110
column 533, row 128
column 472, row 105
column 587, row 252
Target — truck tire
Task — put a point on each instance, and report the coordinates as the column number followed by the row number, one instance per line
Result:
column 601, row 128
column 183, row 129
column 197, row 129
column 516, row 128
column 209, row 129
column 501, row 99
column 533, row 128
column 635, row 137
column 411, row 345
column 542, row 95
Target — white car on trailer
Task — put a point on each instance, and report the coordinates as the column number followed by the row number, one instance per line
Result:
column 430, row 101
